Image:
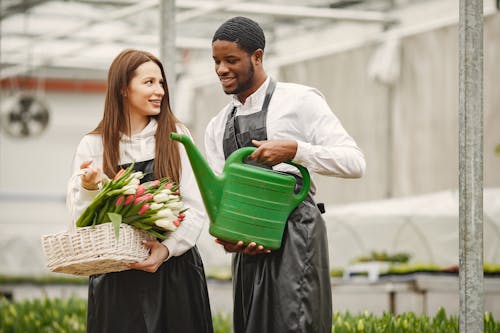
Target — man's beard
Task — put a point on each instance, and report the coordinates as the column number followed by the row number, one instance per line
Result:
column 241, row 87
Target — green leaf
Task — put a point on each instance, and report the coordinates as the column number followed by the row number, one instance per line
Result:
column 116, row 219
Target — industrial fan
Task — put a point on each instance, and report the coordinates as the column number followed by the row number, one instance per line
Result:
column 24, row 115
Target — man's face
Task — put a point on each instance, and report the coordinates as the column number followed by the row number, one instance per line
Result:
column 234, row 67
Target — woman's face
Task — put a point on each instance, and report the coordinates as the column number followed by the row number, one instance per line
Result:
column 144, row 93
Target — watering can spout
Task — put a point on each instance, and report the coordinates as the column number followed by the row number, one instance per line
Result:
column 210, row 185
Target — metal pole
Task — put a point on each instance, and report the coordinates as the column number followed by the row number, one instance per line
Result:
column 471, row 166
column 167, row 42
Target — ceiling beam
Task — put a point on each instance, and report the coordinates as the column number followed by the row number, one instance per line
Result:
column 108, row 17
column 203, row 9
column 295, row 11
column 149, row 40
column 19, row 7
column 194, row 9
column 62, row 34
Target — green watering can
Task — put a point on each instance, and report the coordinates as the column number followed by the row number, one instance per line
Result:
column 245, row 202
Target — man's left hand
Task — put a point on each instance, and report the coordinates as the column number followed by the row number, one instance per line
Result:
column 251, row 249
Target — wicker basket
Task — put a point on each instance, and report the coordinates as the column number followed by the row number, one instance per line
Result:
column 95, row 250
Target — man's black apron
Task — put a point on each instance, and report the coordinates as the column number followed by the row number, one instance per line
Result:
column 173, row 299
column 287, row 290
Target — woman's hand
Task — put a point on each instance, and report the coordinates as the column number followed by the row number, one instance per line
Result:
column 91, row 177
column 158, row 254
column 251, row 249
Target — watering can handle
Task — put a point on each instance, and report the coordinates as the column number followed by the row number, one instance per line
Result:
column 240, row 154
column 306, row 182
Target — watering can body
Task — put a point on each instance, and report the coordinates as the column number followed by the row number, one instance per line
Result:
column 246, row 203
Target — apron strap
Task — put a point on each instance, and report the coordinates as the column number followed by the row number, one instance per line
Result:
column 230, row 139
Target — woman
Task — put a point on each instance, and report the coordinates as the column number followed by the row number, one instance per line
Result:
column 167, row 292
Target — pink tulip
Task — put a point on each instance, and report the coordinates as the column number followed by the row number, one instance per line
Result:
column 140, row 190
column 119, row 201
column 145, row 197
column 129, row 199
column 143, row 209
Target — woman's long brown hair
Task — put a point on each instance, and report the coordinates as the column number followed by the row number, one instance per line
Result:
column 116, row 119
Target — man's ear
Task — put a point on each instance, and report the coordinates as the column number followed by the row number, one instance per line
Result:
column 258, row 55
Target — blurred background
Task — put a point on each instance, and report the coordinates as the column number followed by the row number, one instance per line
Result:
column 388, row 69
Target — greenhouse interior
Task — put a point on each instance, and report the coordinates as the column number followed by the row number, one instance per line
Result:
column 389, row 70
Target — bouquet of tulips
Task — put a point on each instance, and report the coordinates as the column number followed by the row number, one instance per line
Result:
column 154, row 206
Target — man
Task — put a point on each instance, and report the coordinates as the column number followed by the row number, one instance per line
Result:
column 285, row 290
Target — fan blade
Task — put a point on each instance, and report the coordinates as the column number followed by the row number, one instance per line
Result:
column 25, row 130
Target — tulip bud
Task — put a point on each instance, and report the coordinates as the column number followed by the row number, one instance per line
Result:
column 156, row 206
column 143, row 209
column 165, row 224
column 137, row 175
column 150, row 184
column 120, row 200
column 166, row 213
column 119, row 174
column 129, row 189
column 134, row 182
column 140, row 190
column 129, row 200
column 175, row 205
column 161, row 197
column 145, row 197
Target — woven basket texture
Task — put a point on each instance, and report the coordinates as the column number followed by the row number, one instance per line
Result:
column 94, row 250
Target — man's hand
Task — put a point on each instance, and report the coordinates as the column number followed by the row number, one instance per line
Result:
column 251, row 249
column 274, row 151
column 158, row 254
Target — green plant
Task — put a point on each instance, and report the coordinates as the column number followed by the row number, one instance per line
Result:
column 69, row 316
column 222, row 323
column 384, row 256
column 44, row 279
column 43, row 316
column 336, row 272
column 62, row 316
column 404, row 323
